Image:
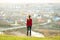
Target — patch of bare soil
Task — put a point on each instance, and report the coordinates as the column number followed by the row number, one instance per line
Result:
column 48, row 32
column 16, row 33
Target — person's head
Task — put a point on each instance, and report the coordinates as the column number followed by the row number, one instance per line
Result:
column 29, row 16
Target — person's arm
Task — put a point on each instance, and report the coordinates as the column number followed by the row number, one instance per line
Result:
column 31, row 22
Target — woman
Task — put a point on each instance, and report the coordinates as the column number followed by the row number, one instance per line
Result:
column 29, row 24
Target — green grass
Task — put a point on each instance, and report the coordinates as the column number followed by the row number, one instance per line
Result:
column 9, row 37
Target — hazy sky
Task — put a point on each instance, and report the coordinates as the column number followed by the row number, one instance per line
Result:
column 29, row 1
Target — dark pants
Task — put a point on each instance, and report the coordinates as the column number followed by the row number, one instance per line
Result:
column 29, row 30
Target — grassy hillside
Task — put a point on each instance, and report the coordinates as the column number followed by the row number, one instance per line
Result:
column 9, row 37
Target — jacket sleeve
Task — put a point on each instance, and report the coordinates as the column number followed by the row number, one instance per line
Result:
column 31, row 22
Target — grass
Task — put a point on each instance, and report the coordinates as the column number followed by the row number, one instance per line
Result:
column 10, row 37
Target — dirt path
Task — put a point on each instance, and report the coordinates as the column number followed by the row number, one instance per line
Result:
column 35, row 34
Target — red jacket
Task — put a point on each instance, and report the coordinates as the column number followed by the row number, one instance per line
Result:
column 29, row 22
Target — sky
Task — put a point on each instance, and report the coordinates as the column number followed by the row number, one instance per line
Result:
column 29, row 1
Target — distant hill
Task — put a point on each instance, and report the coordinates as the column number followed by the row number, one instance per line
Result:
column 4, row 23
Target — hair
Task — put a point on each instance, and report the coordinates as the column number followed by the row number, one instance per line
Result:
column 29, row 16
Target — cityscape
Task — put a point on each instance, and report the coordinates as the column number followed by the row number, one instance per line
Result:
column 46, row 17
